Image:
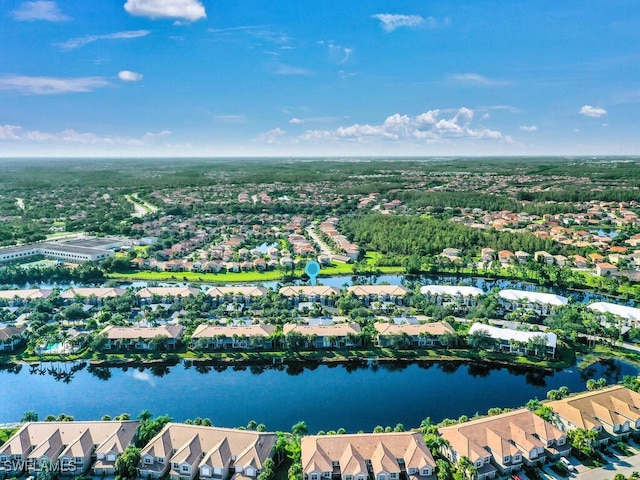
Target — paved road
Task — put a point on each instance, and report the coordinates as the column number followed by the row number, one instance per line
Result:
column 624, row 465
column 323, row 246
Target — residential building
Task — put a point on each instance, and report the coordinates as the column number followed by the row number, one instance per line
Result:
column 501, row 444
column 149, row 295
column 228, row 337
column 509, row 340
column 141, row 338
column 459, row 297
column 367, row 456
column 72, row 446
column 11, row 337
column 605, row 269
column 630, row 315
column 184, row 452
column 613, row 412
column 236, row 294
column 19, row 297
column 541, row 303
column 393, row 294
column 92, row 295
column 321, row 294
column 416, row 335
column 326, row 336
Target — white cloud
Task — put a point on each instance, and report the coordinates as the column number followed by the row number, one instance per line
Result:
column 129, row 76
column 282, row 69
column 528, row 128
column 296, row 121
column 82, row 41
column 70, row 136
column 39, row 10
column 589, row 111
column 477, row 80
column 427, row 126
column 50, row 85
column 339, row 54
column 393, row 21
column 270, row 137
column 188, row 10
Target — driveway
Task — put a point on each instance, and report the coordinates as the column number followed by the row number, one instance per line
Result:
column 623, row 465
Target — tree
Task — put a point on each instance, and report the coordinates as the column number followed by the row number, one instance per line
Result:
column 300, row 429
column 29, row 416
column 46, row 472
column 127, row 463
column 480, row 339
column 583, row 440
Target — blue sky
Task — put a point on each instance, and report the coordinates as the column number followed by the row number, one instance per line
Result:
column 314, row 78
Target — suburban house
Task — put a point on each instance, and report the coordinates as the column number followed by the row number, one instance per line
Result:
column 72, row 446
column 605, row 269
column 20, row 297
column 323, row 295
column 184, row 452
column 541, row 303
column 141, row 338
column 149, row 295
column 500, row 444
column 11, row 337
column 487, row 254
column 226, row 337
column 613, row 412
column 389, row 294
column 509, row 340
column 367, row 456
column 506, row 256
column 630, row 315
column 460, row 297
column 416, row 334
column 94, row 296
column 241, row 294
column 326, row 336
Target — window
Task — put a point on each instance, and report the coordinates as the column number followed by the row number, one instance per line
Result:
column 360, row 477
column 111, row 457
column 413, row 471
column 160, row 460
column 561, row 441
column 176, row 466
column 314, row 476
column 516, row 457
column 348, row 477
column 185, row 468
column 506, row 459
column 327, row 475
column 382, row 476
column 78, row 460
column 426, row 472
column 206, row 471
column 335, row 463
column 3, row 459
column 479, row 463
column 148, row 460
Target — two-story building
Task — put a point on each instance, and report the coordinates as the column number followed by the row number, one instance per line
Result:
column 141, row 338
column 367, row 456
column 335, row 335
column 184, row 452
column 416, row 334
column 500, row 444
column 238, row 337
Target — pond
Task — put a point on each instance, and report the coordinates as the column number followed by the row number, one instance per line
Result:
column 352, row 396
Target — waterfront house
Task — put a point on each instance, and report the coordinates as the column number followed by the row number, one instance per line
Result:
column 150, row 295
column 541, row 303
column 459, row 297
column 93, row 296
column 141, row 338
column 629, row 315
column 509, row 340
column 244, row 295
column 604, row 269
column 228, row 337
column 326, row 336
column 367, row 456
column 501, row 444
column 393, row 294
column 415, row 335
column 184, row 452
column 321, row 294
column 613, row 412
column 22, row 297
column 73, row 447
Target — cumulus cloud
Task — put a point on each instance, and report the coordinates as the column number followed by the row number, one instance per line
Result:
column 39, row 10
column 270, row 137
column 129, row 76
column 187, row 10
column 296, row 121
column 595, row 112
column 429, row 126
column 528, row 128
column 82, row 41
column 50, row 85
column 393, row 21
column 477, row 80
column 70, row 136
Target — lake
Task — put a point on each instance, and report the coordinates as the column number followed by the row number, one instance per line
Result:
column 355, row 397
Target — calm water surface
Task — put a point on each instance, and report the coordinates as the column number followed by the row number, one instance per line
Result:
column 325, row 396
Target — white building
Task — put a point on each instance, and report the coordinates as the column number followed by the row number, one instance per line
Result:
column 630, row 315
column 515, row 341
column 541, row 303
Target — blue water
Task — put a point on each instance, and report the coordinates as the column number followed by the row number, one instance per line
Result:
column 325, row 396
